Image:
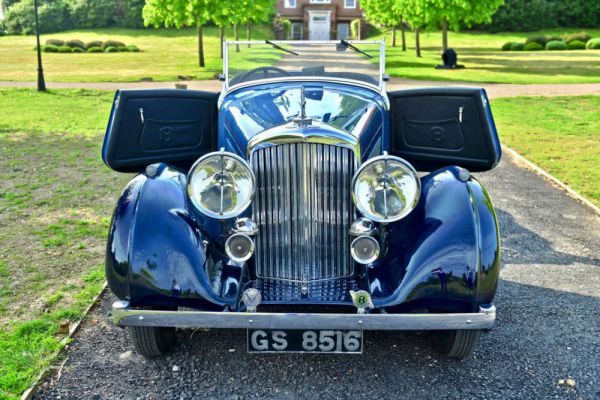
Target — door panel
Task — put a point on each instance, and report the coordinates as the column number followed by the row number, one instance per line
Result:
column 432, row 128
column 165, row 125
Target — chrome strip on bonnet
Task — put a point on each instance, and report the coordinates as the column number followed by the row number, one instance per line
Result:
column 303, row 210
column 124, row 316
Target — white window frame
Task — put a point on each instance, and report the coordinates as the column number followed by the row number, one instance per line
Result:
column 352, row 6
column 320, row 1
column 290, row 3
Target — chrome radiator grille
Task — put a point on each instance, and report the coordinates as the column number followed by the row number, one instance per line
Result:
column 304, row 209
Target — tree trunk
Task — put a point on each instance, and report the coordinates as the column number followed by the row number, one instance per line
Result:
column 222, row 37
column 403, row 30
column 237, row 37
column 248, row 32
column 445, row 34
column 394, row 36
column 417, row 42
column 200, row 47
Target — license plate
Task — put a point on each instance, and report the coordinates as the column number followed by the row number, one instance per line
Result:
column 304, row 341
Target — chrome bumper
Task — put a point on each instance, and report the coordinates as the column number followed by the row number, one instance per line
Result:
column 124, row 316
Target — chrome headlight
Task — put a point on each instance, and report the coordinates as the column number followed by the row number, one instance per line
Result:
column 386, row 188
column 221, row 185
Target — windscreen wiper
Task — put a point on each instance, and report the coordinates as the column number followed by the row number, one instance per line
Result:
column 278, row 47
column 347, row 44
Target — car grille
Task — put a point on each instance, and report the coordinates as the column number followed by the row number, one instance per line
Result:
column 303, row 208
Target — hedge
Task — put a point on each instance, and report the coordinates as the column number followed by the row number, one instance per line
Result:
column 50, row 48
column 133, row 48
column 533, row 46
column 94, row 49
column 556, row 45
column 111, row 49
column 64, row 49
column 575, row 45
column 506, row 46
column 578, row 37
column 517, row 46
column 593, row 44
column 112, row 43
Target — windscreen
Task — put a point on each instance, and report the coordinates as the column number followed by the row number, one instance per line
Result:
column 260, row 60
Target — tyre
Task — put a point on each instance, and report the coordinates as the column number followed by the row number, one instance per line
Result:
column 457, row 344
column 152, row 342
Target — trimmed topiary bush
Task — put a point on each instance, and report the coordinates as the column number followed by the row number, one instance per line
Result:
column 55, row 42
column 64, row 49
column 94, row 49
column 593, row 44
column 133, row 48
column 556, row 45
column 537, row 39
column 575, row 45
column 111, row 49
column 112, row 43
column 77, row 50
column 93, row 43
column 50, row 48
column 554, row 39
column 123, row 49
column 578, row 37
column 533, row 46
column 75, row 43
column 517, row 46
column 506, row 46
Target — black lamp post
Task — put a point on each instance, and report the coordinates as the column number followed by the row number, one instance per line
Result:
column 41, row 84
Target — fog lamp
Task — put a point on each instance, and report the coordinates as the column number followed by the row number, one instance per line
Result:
column 239, row 247
column 364, row 249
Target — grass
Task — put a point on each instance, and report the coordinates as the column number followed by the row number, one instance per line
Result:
column 485, row 62
column 165, row 54
column 56, row 198
column 559, row 134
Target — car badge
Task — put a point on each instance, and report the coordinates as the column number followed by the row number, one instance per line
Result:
column 361, row 300
column 251, row 298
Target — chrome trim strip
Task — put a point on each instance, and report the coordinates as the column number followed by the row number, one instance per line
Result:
column 122, row 315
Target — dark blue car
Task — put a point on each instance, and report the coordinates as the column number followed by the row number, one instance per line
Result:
column 304, row 203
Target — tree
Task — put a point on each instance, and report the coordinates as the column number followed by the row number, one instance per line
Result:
column 180, row 13
column 387, row 13
column 416, row 16
column 453, row 13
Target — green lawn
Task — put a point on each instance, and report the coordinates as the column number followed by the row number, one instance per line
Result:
column 56, row 199
column 480, row 53
column 166, row 53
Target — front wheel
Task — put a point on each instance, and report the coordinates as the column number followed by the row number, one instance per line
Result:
column 152, row 342
column 456, row 343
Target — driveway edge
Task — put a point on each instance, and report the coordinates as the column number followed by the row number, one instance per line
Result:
column 522, row 162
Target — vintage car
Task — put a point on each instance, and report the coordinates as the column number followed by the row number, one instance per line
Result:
column 304, row 203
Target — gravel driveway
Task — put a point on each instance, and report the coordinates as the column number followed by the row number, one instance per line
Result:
column 548, row 330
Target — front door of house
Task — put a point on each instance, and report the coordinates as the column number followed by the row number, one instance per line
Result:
column 318, row 26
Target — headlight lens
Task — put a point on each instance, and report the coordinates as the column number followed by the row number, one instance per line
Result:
column 386, row 188
column 221, row 185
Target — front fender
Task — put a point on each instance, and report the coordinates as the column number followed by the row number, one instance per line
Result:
column 157, row 251
column 445, row 256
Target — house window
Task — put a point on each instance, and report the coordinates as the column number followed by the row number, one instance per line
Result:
column 343, row 31
column 296, row 30
column 320, row 1
column 349, row 3
column 290, row 3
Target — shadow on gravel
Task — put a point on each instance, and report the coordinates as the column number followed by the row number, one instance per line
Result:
column 524, row 246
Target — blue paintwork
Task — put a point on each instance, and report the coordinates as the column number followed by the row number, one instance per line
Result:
column 443, row 257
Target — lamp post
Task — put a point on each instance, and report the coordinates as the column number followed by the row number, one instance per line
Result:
column 41, row 84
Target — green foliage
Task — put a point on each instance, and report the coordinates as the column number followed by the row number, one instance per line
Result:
column 77, row 50
column 517, row 46
column 112, row 43
column 93, row 43
column 579, row 36
column 355, row 29
column 533, row 46
column 111, row 49
column 575, row 45
column 133, row 48
column 55, row 42
column 95, row 49
column 123, row 49
column 50, row 48
column 53, row 16
column 506, row 46
column 75, row 43
column 542, row 40
column 532, row 15
column 556, row 45
column 593, row 44
column 286, row 25
column 64, row 49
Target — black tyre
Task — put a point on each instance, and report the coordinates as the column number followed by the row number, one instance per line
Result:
column 455, row 344
column 150, row 341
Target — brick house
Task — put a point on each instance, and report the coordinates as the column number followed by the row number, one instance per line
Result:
column 319, row 19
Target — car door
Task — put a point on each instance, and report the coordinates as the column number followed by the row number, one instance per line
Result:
column 436, row 127
column 173, row 126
